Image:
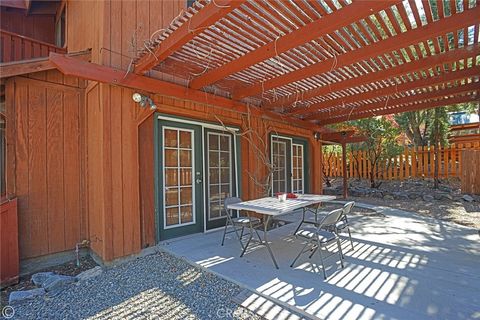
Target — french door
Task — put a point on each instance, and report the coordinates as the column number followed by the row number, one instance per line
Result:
column 220, row 172
column 288, row 156
column 196, row 168
column 180, row 179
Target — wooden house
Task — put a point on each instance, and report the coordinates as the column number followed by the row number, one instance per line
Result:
column 88, row 162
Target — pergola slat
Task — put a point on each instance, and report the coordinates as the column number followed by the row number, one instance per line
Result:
column 401, row 108
column 415, row 66
column 313, row 30
column 374, row 107
column 424, row 33
column 210, row 14
column 425, row 82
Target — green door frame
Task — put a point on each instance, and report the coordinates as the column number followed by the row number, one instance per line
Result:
column 162, row 232
column 306, row 168
column 219, row 222
column 158, row 142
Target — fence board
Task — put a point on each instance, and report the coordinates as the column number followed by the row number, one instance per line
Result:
column 412, row 162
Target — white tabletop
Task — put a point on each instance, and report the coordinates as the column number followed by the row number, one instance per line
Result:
column 274, row 207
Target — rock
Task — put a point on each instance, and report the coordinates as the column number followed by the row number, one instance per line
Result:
column 39, row 278
column 19, row 296
column 468, row 198
column 427, row 197
column 414, row 196
column 400, row 196
column 90, row 273
column 447, row 196
column 388, row 197
column 57, row 282
column 378, row 194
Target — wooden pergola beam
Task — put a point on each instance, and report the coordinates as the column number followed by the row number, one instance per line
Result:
column 393, row 89
column 411, row 37
column 95, row 72
column 404, row 69
column 313, row 30
column 403, row 108
column 211, row 13
column 465, row 126
column 16, row 68
column 372, row 108
column 336, row 136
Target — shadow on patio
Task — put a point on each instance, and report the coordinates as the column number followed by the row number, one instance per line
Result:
column 404, row 266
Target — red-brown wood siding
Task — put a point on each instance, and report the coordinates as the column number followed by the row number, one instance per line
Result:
column 45, row 161
column 39, row 27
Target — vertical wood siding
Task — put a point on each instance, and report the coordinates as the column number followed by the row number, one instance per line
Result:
column 39, row 27
column 45, row 161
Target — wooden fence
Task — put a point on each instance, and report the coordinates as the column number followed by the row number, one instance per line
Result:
column 470, row 174
column 411, row 163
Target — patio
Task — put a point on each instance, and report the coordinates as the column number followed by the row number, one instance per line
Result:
column 405, row 266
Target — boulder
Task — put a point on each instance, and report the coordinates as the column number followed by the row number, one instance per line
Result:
column 400, row 196
column 467, row 198
column 19, row 296
column 427, row 197
column 57, row 283
column 89, row 274
column 39, row 278
column 414, row 196
column 447, row 196
column 388, row 197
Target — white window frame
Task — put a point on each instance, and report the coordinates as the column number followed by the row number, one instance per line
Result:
column 229, row 136
column 302, row 148
column 165, row 226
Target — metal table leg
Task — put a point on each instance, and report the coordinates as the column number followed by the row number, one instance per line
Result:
column 263, row 242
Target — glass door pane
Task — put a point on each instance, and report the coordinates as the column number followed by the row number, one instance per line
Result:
column 297, row 169
column 220, row 173
column 178, row 173
column 279, row 161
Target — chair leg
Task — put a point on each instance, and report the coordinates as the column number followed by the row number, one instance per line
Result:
column 350, row 236
column 340, row 253
column 224, row 233
column 241, row 233
column 314, row 249
column 301, row 222
column 321, row 261
column 246, row 245
column 298, row 256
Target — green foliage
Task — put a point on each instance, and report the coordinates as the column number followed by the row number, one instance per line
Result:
column 421, row 126
column 381, row 143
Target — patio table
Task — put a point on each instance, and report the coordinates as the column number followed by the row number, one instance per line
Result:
column 273, row 207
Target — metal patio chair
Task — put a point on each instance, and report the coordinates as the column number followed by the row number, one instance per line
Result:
column 319, row 238
column 238, row 223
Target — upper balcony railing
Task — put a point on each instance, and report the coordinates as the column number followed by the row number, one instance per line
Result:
column 15, row 47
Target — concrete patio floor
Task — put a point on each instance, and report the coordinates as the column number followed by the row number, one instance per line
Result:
column 404, row 266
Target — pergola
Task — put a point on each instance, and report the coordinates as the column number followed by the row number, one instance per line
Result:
column 310, row 63
column 324, row 62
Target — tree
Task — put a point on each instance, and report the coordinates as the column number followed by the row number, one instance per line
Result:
column 381, row 143
column 438, row 132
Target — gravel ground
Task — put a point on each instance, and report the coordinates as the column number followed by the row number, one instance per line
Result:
column 159, row 286
column 458, row 211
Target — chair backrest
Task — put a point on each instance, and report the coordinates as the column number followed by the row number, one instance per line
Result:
column 347, row 208
column 230, row 200
column 332, row 218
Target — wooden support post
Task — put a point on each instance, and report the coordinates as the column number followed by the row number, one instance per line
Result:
column 344, row 166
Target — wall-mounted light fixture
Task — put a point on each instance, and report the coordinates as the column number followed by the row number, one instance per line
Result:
column 142, row 100
column 316, row 135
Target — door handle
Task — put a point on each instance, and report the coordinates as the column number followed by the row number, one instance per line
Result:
column 198, row 181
